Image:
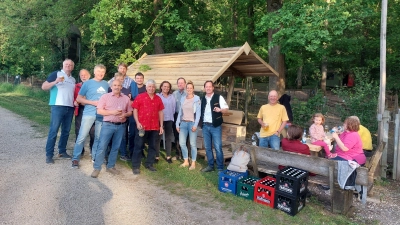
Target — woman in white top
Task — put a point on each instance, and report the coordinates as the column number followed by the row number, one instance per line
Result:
column 187, row 122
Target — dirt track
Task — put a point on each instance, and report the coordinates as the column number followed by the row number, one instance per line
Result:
column 33, row 192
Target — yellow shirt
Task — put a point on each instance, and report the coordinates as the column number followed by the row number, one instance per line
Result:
column 274, row 115
column 366, row 138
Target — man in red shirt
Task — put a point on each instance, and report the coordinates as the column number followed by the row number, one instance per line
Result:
column 149, row 117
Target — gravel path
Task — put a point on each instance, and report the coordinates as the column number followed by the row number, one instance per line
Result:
column 33, row 192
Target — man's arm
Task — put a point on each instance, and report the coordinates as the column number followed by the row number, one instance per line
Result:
column 135, row 116
column 48, row 85
column 281, row 127
column 82, row 100
column 161, row 119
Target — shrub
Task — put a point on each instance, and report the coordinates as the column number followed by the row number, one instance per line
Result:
column 361, row 100
column 303, row 111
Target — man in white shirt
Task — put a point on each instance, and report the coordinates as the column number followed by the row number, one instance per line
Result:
column 212, row 107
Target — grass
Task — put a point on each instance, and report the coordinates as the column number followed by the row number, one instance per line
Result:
column 201, row 188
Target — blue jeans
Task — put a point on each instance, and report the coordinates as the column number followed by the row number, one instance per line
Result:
column 60, row 116
column 86, row 124
column 272, row 141
column 122, row 147
column 109, row 131
column 97, row 130
column 212, row 135
column 185, row 130
column 151, row 136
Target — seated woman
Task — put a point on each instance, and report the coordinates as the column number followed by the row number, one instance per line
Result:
column 292, row 142
column 348, row 143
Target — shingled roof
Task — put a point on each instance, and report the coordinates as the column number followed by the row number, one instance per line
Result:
column 199, row 66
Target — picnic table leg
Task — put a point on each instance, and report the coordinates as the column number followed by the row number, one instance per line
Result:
column 342, row 200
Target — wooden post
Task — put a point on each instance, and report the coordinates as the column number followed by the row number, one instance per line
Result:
column 230, row 90
column 396, row 160
column 385, row 121
column 246, row 106
column 342, row 201
column 382, row 85
column 395, row 174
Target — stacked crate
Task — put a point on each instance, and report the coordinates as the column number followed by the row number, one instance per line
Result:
column 291, row 190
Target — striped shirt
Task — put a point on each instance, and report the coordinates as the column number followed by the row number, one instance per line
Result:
column 110, row 101
column 126, row 84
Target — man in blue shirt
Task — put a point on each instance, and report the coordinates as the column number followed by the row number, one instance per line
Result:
column 61, row 85
column 89, row 95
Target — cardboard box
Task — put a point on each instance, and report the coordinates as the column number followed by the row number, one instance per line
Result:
column 233, row 117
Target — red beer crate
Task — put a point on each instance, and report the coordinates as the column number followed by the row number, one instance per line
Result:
column 292, row 181
column 289, row 204
column 245, row 187
column 264, row 191
column 228, row 179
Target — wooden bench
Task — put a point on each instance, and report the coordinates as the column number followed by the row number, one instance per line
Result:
column 341, row 200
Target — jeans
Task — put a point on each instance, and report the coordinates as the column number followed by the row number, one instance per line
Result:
column 185, row 130
column 86, row 124
column 78, row 121
column 272, row 141
column 97, row 130
column 109, row 131
column 211, row 135
column 169, row 136
column 151, row 136
column 60, row 116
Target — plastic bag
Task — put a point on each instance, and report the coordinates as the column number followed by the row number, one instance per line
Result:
column 239, row 160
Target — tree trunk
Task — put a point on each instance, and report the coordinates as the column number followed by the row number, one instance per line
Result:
column 250, row 15
column 324, row 70
column 299, row 75
column 158, row 38
column 235, row 20
column 276, row 59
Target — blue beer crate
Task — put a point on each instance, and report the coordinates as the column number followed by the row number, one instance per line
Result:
column 228, row 180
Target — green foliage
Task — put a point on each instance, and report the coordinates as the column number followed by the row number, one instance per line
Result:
column 361, row 100
column 303, row 111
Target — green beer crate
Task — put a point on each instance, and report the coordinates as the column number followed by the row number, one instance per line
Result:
column 245, row 187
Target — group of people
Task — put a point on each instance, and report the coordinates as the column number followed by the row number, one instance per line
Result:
column 125, row 112
column 353, row 142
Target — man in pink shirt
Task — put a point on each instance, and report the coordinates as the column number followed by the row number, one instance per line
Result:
column 115, row 107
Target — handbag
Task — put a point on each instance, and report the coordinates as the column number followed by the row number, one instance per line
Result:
column 239, row 160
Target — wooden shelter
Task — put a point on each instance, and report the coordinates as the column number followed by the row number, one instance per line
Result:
column 200, row 66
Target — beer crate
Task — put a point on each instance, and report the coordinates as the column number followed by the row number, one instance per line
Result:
column 292, row 181
column 289, row 204
column 228, row 180
column 245, row 187
column 264, row 191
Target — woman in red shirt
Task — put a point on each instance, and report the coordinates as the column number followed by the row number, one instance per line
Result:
column 293, row 144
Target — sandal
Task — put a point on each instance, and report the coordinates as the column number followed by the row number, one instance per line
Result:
column 332, row 155
column 192, row 167
column 184, row 165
